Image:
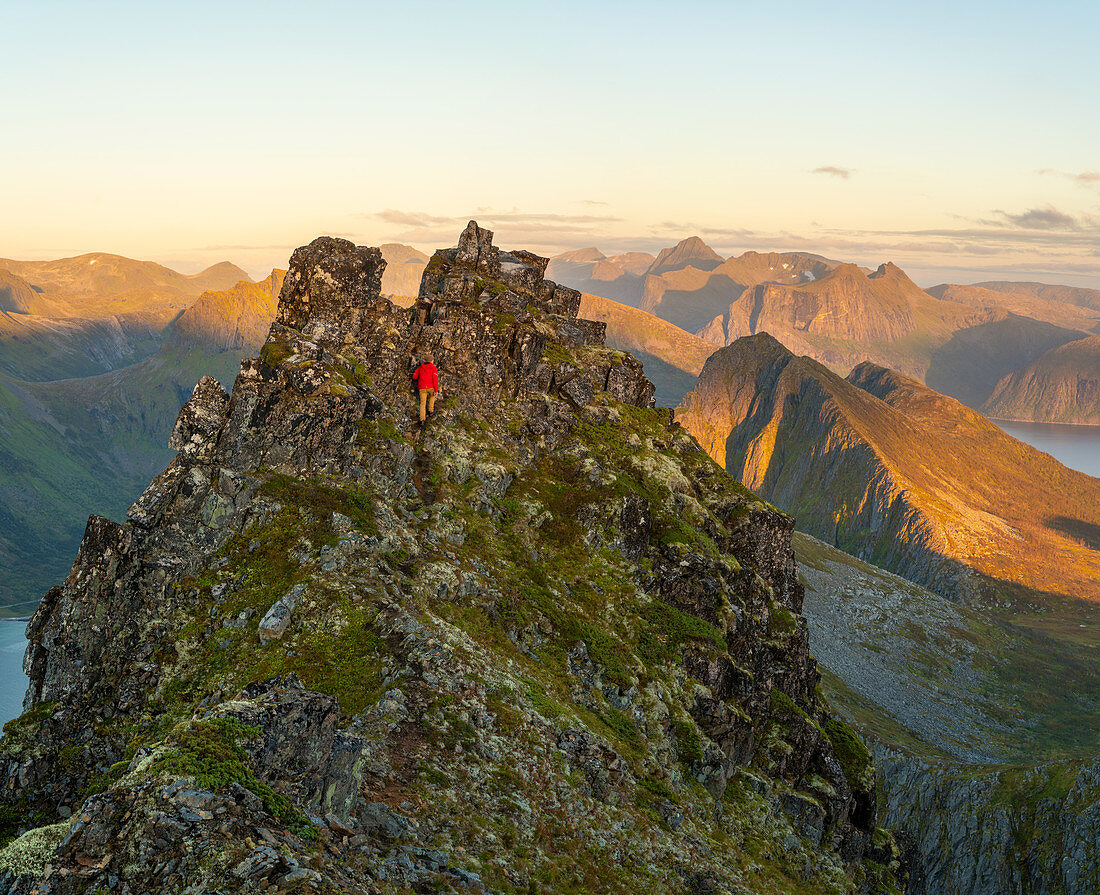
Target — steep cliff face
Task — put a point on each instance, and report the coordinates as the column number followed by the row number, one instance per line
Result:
column 897, row 474
column 1062, row 386
column 844, row 304
column 994, row 831
column 542, row 644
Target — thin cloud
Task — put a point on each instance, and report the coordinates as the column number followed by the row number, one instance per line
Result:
column 1049, row 218
column 834, row 171
column 1084, row 178
column 543, row 231
column 592, row 202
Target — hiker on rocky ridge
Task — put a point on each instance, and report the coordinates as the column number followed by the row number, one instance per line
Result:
column 426, row 377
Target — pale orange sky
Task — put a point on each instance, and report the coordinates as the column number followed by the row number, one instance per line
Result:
column 955, row 140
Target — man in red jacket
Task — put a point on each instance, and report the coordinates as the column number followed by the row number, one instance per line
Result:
column 426, row 378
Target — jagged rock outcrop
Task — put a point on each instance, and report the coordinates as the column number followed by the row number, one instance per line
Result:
column 897, row 474
column 540, row 643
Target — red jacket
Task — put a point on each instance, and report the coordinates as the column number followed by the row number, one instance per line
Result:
column 427, row 376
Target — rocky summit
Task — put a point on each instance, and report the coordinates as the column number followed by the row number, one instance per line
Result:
column 542, row 643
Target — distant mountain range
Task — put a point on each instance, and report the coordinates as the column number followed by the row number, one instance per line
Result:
column 899, row 475
column 961, row 340
column 101, row 285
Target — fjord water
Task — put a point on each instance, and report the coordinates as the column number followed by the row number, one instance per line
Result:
column 1077, row 447
column 13, row 683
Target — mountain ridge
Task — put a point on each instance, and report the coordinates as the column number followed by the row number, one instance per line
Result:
column 405, row 635
column 896, row 473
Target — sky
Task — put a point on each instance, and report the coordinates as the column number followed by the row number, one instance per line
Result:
column 960, row 140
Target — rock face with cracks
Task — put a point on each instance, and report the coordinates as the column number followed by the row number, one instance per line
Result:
column 542, row 643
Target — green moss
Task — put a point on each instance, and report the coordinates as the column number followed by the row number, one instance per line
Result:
column 18, row 730
column 274, row 353
column 781, row 621
column 689, row 747
column 543, row 704
column 619, row 723
column 657, row 787
column 855, row 759
column 352, row 372
column 319, row 501
column 210, row 750
column 556, row 354
column 668, row 629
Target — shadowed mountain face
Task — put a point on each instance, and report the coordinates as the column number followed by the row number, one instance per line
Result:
column 39, row 348
column 16, row 294
column 971, row 363
column 896, row 473
column 589, row 270
column 1061, row 386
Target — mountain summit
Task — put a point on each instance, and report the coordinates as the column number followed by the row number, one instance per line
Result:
column 690, row 252
column 542, row 644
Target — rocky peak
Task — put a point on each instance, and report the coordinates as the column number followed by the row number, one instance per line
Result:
column 327, row 280
column 326, row 623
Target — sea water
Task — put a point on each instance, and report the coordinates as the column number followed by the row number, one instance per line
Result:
column 13, row 683
column 1077, row 447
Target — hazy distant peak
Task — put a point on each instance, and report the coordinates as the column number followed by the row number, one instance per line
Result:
column 636, row 263
column 225, row 269
column 687, row 252
column 399, row 253
column 581, row 256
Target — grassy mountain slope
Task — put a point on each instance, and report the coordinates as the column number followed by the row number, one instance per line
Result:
column 926, row 675
column 41, row 348
column 103, row 285
column 898, row 474
column 985, row 730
